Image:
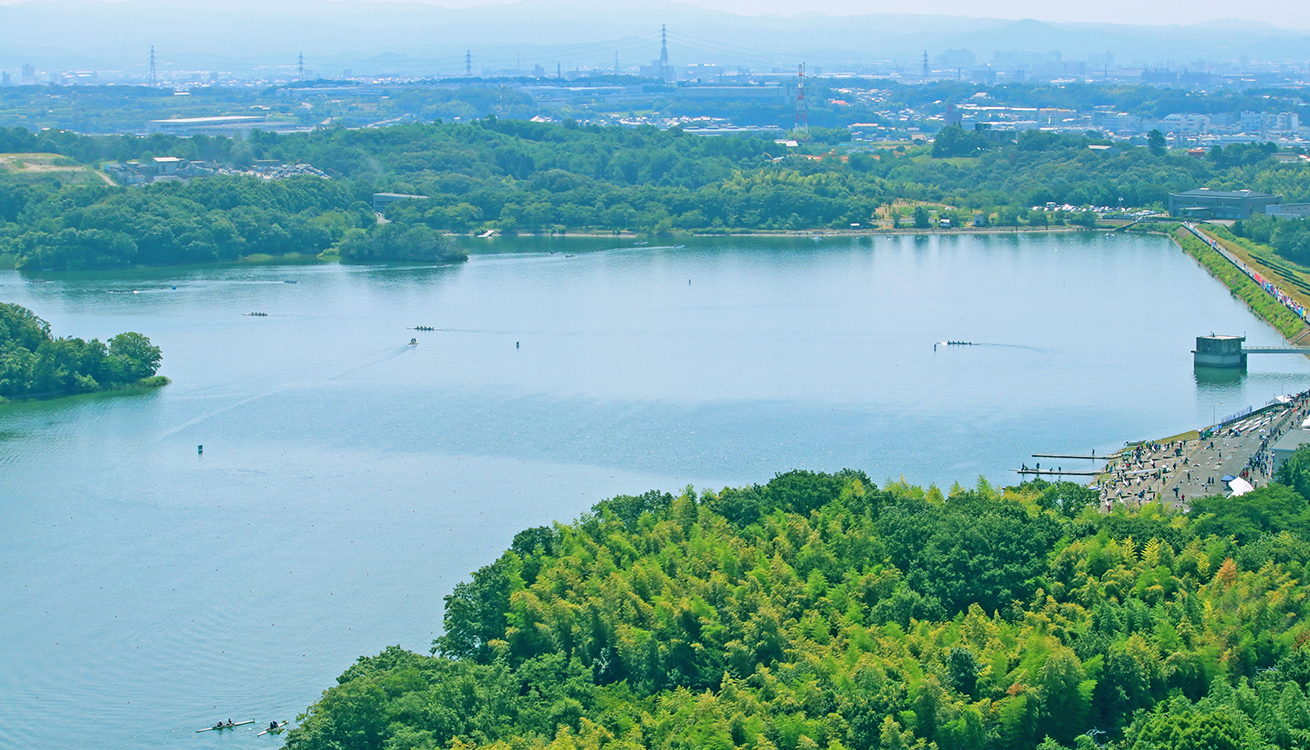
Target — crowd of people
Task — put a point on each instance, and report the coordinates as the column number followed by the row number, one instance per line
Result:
column 1175, row 470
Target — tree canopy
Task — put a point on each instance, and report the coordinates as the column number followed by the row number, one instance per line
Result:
column 33, row 364
column 822, row 611
column 521, row 176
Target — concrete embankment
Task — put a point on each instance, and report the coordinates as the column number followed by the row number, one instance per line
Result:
column 1280, row 309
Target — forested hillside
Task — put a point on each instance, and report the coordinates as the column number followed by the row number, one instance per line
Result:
column 516, row 176
column 823, row 611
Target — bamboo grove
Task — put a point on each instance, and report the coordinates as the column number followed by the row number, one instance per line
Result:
column 822, row 611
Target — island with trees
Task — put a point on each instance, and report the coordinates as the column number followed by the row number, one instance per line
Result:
column 36, row 365
column 825, row 611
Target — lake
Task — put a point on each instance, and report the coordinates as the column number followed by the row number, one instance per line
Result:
column 349, row 480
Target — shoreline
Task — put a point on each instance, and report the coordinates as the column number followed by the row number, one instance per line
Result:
column 296, row 259
column 817, row 232
column 144, row 384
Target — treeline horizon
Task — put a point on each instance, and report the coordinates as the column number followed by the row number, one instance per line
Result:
column 515, row 176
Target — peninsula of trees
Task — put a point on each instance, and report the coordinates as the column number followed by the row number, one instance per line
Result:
column 824, row 611
column 33, row 364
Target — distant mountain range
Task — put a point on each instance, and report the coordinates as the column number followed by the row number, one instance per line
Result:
column 410, row 38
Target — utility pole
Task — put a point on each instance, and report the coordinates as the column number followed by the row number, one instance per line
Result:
column 468, row 63
column 153, row 81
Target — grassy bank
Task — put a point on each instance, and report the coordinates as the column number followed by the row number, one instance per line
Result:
column 1267, row 308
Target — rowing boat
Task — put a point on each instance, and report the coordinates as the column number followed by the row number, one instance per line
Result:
column 281, row 725
column 221, row 727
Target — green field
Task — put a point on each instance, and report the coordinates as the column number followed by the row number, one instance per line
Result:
column 48, row 169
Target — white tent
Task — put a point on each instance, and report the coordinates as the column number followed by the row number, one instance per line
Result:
column 1239, row 486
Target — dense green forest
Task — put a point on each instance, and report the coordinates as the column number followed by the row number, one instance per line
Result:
column 207, row 220
column 33, row 364
column 1290, row 238
column 516, row 176
column 822, row 611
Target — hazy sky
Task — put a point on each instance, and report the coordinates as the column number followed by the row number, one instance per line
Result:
column 1293, row 14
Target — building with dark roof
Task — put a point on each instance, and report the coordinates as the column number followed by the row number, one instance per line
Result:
column 1204, row 203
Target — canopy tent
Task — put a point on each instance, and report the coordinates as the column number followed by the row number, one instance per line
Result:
column 1239, row 486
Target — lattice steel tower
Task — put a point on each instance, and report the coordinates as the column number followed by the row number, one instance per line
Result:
column 666, row 70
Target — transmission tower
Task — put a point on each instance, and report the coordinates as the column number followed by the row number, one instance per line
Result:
column 925, row 65
column 468, row 62
column 666, row 70
column 153, row 80
column 300, row 67
column 802, row 109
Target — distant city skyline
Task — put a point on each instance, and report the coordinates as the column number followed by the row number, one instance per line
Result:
column 1170, row 12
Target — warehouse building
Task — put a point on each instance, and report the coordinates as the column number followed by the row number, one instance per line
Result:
column 1205, row 203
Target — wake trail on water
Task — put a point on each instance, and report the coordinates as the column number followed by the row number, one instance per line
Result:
column 386, row 354
column 944, row 345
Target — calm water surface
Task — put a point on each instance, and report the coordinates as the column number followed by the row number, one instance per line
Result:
column 349, row 481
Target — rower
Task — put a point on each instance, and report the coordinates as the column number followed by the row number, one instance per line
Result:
column 272, row 725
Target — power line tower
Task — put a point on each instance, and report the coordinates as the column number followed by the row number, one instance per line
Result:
column 153, row 81
column 300, row 67
column 802, row 109
column 925, row 65
column 468, row 62
column 666, row 70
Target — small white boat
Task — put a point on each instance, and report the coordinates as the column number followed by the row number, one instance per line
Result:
column 221, row 727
